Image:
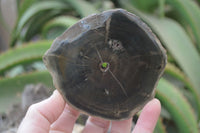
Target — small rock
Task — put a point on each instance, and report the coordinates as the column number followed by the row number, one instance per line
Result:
column 33, row 94
column 10, row 121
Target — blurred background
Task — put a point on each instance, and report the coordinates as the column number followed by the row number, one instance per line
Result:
column 28, row 28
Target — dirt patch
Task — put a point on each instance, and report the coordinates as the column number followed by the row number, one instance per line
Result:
column 10, row 121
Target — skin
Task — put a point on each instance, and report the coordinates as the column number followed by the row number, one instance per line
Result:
column 53, row 115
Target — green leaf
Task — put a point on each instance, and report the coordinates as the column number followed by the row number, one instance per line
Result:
column 175, row 72
column 178, row 107
column 83, row 7
column 24, row 6
column 190, row 11
column 65, row 21
column 11, row 88
column 37, row 8
column 34, row 26
column 145, row 5
column 61, row 21
column 24, row 54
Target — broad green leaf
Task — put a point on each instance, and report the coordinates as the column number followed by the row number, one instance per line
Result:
column 175, row 72
column 34, row 26
column 83, row 7
column 24, row 54
column 65, row 21
column 178, row 74
column 11, row 88
column 54, row 32
column 61, row 21
column 145, row 5
column 24, row 6
column 37, row 8
column 178, row 107
column 190, row 11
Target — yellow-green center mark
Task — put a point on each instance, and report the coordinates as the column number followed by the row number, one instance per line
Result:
column 104, row 65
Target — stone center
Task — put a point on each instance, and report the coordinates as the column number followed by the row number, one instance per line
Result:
column 104, row 66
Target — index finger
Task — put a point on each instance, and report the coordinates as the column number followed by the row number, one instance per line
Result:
column 148, row 118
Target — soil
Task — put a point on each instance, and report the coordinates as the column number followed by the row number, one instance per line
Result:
column 10, row 121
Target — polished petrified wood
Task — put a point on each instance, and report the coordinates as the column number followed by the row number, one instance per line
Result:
column 107, row 64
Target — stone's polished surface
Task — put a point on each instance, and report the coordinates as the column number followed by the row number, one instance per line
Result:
column 107, row 64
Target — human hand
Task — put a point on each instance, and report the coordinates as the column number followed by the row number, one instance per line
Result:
column 53, row 115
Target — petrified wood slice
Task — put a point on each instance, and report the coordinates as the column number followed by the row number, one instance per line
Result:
column 107, row 64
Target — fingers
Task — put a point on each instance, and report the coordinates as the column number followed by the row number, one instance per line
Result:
column 146, row 122
column 123, row 126
column 148, row 118
column 66, row 121
column 40, row 116
column 96, row 125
